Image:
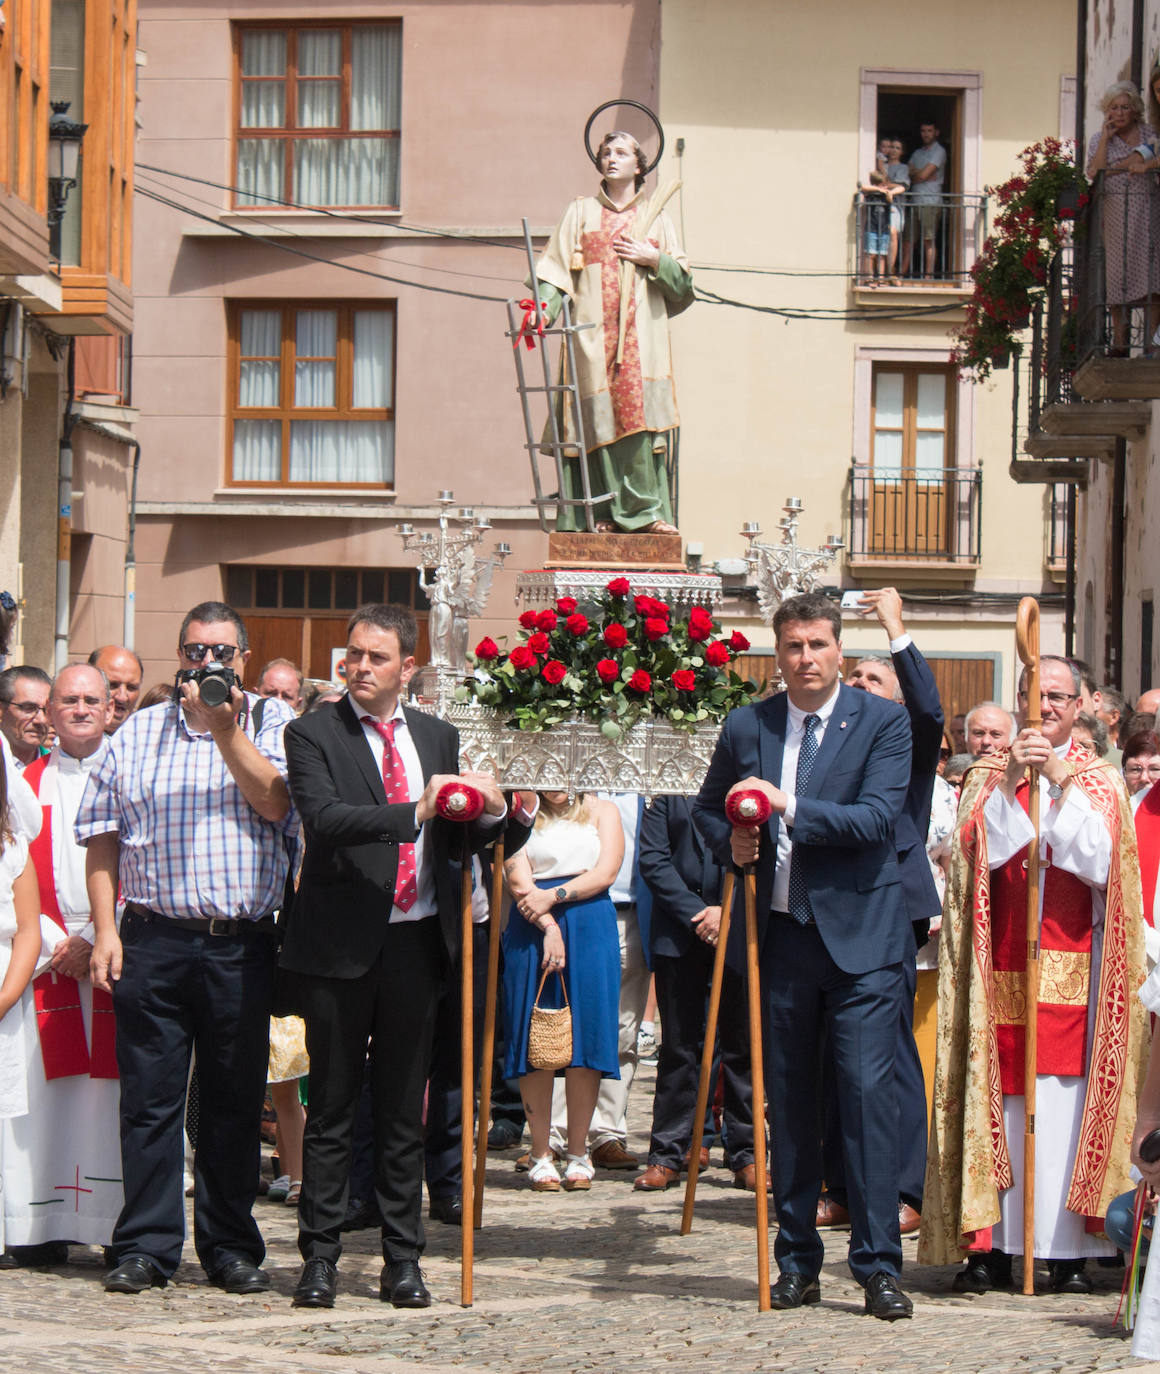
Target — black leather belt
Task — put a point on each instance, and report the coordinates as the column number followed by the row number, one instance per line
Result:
column 258, row 926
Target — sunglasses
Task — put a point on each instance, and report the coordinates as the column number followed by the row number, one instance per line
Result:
column 220, row 653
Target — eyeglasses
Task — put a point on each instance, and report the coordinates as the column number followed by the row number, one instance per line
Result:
column 30, row 708
column 221, row 653
column 1056, row 699
column 1137, row 770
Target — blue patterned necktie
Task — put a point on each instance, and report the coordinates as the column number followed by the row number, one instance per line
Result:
column 799, row 897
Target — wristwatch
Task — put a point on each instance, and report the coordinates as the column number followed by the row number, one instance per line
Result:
column 1055, row 791
column 561, row 894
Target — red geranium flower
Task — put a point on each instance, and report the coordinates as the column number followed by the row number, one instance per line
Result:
column 553, row 671
column 546, row 620
column 528, row 620
column 655, row 628
column 684, row 679
column 716, row 654
column 521, row 657
column 615, row 636
column 566, row 605
column 737, row 642
column 608, row 670
column 539, row 643
column 640, row 681
column 577, row 624
column 487, row 649
column 618, row 586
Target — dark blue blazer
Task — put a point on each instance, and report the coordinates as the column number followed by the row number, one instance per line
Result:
column 920, row 695
column 679, row 871
column 844, row 822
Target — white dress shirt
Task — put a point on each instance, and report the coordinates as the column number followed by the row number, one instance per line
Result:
column 795, row 732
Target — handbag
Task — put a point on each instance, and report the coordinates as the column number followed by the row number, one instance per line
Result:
column 550, row 1031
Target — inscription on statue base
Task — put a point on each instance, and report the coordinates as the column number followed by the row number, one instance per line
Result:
column 616, row 552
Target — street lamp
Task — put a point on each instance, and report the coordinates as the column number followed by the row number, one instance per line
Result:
column 64, row 154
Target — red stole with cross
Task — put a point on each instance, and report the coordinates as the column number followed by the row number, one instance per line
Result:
column 1065, row 957
column 59, row 1019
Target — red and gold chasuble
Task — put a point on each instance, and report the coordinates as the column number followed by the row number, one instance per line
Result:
column 625, row 384
column 1065, row 960
column 60, row 1020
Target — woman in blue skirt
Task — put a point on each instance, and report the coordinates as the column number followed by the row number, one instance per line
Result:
column 562, row 919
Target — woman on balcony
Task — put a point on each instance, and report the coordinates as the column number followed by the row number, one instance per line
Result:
column 1125, row 151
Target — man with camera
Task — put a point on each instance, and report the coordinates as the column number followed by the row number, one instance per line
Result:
column 188, row 813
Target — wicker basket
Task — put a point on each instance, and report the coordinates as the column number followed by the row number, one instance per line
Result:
column 550, row 1031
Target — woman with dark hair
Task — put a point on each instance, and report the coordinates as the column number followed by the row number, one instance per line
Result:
column 1141, row 762
column 627, row 406
column 559, row 885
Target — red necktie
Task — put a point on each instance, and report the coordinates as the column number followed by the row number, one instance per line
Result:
column 397, row 790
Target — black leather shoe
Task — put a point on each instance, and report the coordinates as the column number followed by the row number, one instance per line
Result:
column 504, row 1135
column 1067, row 1276
column 446, row 1209
column 794, row 1290
column 317, row 1285
column 984, row 1271
column 51, row 1252
column 402, row 1284
column 360, row 1215
column 885, row 1300
column 240, row 1276
column 134, row 1275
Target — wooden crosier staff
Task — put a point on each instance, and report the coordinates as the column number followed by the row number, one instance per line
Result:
column 457, row 801
column 1027, row 647
column 656, row 204
column 750, row 810
column 487, row 1060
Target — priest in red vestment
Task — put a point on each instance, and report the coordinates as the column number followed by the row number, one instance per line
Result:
column 1090, row 1022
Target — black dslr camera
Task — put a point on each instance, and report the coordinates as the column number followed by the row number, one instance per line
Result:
column 214, row 680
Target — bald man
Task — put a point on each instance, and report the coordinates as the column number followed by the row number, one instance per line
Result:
column 123, row 672
column 1149, row 702
column 989, row 728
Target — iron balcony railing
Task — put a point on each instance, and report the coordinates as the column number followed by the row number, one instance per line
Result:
column 931, row 242
column 1117, row 298
column 915, row 515
column 1058, row 527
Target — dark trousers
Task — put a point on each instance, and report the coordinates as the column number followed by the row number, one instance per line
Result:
column 182, row 991
column 681, row 986
column 911, row 1092
column 807, row 996
column 392, row 1005
column 443, row 1157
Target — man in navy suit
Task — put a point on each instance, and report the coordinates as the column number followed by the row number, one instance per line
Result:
column 834, row 936
column 905, row 676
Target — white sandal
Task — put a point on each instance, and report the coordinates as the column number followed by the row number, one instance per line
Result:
column 579, row 1174
column 542, row 1174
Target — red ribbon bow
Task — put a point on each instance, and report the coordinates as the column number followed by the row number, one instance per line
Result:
column 526, row 330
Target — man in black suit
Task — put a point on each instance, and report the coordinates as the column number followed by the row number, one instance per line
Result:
column 905, row 676
column 685, row 881
column 834, row 935
column 372, row 933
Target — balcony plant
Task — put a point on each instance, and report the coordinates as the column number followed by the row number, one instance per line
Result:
column 617, row 659
column 1036, row 207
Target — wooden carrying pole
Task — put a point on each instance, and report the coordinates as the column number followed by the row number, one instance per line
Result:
column 703, row 1084
column 1027, row 647
column 467, row 1084
column 487, row 1055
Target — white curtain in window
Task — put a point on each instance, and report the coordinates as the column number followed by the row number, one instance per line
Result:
column 320, row 102
column 374, row 77
column 346, row 171
column 342, row 451
column 264, row 52
column 931, row 418
column 257, row 450
column 888, row 424
column 263, row 102
column 260, row 348
column 373, row 358
column 316, row 334
column 261, row 167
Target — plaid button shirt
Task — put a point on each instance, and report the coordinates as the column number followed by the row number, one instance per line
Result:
column 191, row 845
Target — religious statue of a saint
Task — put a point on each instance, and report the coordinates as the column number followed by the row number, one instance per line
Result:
column 624, row 365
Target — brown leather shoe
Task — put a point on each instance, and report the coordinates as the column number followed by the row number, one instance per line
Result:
column 746, row 1177
column 830, row 1214
column 613, row 1155
column 908, row 1219
column 704, row 1158
column 655, row 1179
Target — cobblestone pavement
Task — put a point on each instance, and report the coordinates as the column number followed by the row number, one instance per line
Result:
column 597, row 1282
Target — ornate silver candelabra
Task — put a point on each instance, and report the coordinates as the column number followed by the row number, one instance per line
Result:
column 783, row 570
column 456, row 580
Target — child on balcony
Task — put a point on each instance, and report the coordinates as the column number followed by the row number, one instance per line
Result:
column 878, row 194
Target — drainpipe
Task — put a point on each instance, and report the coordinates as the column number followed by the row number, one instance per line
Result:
column 1080, row 78
column 1115, row 641
column 1069, row 578
column 64, row 520
column 131, row 556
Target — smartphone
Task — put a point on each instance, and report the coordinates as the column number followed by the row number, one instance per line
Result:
column 851, row 601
